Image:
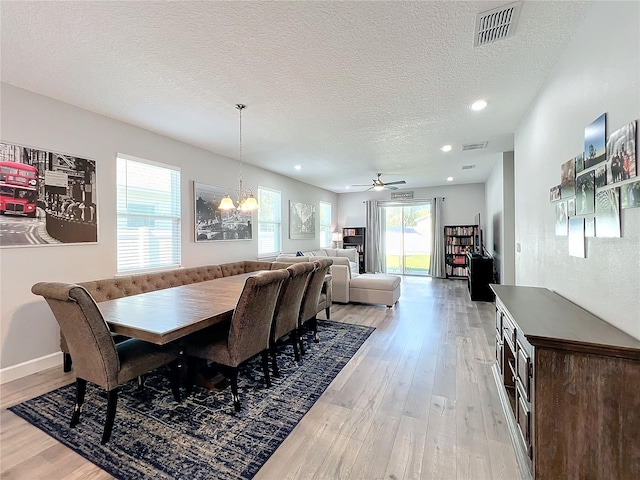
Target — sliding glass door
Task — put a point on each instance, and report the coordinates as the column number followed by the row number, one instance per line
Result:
column 406, row 234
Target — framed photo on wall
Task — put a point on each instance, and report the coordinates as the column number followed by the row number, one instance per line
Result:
column 213, row 224
column 302, row 220
column 594, row 141
column 621, row 154
column 48, row 198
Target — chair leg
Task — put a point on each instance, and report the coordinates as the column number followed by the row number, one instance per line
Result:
column 112, row 402
column 265, row 367
column 66, row 362
column 294, row 342
column 192, row 363
column 328, row 312
column 81, row 389
column 300, row 336
column 141, row 379
column 314, row 324
column 174, row 378
column 233, row 377
column 274, row 360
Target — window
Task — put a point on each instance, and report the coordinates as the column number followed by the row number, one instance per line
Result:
column 325, row 225
column 148, row 210
column 269, row 222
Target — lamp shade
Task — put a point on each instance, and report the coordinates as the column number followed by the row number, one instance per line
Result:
column 226, row 203
column 336, row 237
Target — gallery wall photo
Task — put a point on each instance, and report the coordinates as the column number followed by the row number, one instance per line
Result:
column 213, row 224
column 302, row 220
column 46, row 198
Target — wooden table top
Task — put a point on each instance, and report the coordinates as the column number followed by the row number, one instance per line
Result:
column 163, row 316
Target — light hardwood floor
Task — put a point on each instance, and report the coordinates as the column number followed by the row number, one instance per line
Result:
column 418, row 401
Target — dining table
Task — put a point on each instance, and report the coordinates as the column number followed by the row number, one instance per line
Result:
column 162, row 316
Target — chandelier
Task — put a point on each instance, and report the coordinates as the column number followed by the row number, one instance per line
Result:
column 246, row 201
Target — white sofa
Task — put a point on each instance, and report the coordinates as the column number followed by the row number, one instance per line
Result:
column 345, row 266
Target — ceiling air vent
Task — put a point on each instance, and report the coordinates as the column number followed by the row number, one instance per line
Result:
column 468, row 167
column 474, row 146
column 496, row 24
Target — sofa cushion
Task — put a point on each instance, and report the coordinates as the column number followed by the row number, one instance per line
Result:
column 316, row 253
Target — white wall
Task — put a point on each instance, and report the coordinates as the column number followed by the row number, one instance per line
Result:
column 500, row 231
column 599, row 72
column 28, row 329
column 461, row 204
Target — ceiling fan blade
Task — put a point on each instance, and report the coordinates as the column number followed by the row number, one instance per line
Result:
column 368, row 189
column 362, row 185
column 400, row 182
column 390, row 188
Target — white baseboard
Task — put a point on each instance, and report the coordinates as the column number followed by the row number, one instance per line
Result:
column 36, row 365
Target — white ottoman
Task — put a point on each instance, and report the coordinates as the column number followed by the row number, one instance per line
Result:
column 376, row 288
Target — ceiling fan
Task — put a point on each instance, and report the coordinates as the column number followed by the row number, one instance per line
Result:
column 380, row 185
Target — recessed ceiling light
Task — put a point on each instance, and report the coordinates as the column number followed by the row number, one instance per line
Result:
column 449, row 179
column 478, row 105
column 298, row 167
column 446, row 148
column 347, row 187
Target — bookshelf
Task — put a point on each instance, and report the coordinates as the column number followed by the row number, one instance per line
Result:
column 458, row 241
column 353, row 237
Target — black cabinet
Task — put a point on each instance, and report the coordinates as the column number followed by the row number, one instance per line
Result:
column 480, row 276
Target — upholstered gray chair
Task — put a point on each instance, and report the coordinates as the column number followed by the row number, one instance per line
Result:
column 287, row 311
column 315, row 300
column 96, row 358
column 247, row 334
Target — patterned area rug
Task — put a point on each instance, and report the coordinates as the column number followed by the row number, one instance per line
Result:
column 201, row 437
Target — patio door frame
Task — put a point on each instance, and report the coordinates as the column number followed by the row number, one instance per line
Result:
column 383, row 224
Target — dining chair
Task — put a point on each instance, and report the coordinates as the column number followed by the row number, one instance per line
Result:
column 287, row 310
column 247, row 334
column 314, row 300
column 96, row 358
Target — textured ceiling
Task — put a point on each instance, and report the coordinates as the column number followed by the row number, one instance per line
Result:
column 345, row 89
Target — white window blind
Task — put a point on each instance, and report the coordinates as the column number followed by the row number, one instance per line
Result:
column 148, row 211
column 269, row 222
column 325, row 225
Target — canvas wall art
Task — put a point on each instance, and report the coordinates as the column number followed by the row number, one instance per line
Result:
column 213, row 224
column 568, row 178
column 554, row 193
column 579, row 163
column 571, row 206
column 46, row 198
column 630, row 195
column 594, row 142
column 621, row 154
column 585, row 193
column 302, row 220
column 589, row 226
column 561, row 218
column 608, row 213
column 601, row 176
column 576, row 237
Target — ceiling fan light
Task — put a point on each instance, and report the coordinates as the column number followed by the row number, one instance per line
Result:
column 446, row 148
column 378, row 188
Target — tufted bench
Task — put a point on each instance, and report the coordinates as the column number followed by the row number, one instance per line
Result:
column 376, row 288
column 124, row 286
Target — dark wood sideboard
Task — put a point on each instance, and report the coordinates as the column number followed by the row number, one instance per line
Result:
column 569, row 383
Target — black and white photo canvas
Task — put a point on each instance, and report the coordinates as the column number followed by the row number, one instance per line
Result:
column 630, row 195
column 594, row 142
column 590, row 226
column 302, row 220
column 621, row 154
column 576, row 237
column 585, row 193
column 608, row 213
column 554, row 193
column 601, row 176
column 46, row 198
column 571, row 206
column 213, row 224
column 561, row 218
column 568, row 178
column 579, row 163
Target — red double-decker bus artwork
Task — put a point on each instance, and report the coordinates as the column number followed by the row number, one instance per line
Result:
column 18, row 188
